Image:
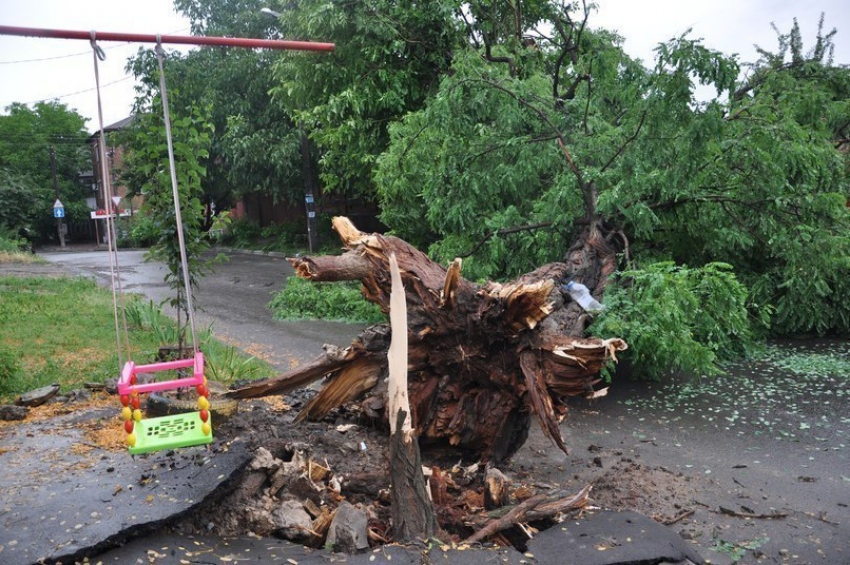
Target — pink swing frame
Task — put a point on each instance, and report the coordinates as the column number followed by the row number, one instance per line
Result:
column 131, row 370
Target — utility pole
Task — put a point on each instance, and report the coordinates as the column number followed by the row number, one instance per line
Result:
column 309, row 199
column 60, row 226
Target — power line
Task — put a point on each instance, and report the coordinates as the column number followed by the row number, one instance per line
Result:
column 59, row 56
column 79, row 91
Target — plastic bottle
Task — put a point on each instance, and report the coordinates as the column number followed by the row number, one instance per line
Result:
column 581, row 294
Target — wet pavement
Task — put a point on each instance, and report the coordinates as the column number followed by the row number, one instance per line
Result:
column 637, row 540
column 760, row 440
column 63, row 496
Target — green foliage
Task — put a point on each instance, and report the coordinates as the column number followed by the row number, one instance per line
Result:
column 254, row 146
column 22, row 201
column 753, row 178
column 243, row 232
column 389, row 57
column 679, row 318
column 224, row 363
column 809, row 365
column 737, row 550
column 143, row 231
column 337, row 301
column 26, row 181
column 148, row 173
column 9, row 369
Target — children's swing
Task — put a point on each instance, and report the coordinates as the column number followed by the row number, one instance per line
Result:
column 174, row 431
column 193, row 428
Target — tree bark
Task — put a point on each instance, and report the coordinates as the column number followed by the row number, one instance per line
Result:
column 482, row 358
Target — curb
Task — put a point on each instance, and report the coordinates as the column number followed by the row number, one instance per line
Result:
column 249, row 252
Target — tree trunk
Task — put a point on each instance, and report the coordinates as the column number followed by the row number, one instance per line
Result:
column 412, row 512
column 482, row 358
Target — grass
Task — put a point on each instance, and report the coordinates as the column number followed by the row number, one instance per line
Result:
column 61, row 330
column 7, row 256
column 338, row 301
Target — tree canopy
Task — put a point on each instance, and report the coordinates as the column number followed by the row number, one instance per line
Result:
column 26, row 182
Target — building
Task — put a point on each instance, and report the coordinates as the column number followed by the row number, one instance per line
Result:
column 115, row 162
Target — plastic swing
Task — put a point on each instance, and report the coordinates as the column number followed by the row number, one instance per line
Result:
column 145, row 435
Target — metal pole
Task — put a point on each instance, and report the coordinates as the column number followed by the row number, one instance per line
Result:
column 171, row 39
column 59, row 224
column 309, row 193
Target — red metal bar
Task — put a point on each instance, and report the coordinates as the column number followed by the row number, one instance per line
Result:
column 174, row 39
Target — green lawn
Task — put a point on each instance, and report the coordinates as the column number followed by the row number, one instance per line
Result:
column 61, row 330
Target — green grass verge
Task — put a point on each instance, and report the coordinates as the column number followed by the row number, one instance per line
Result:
column 338, row 301
column 61, row 330
column 13, row 256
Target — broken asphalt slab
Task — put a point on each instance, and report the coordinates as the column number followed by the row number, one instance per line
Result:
column 574, row 542
column 62, row 496
column 611, row 538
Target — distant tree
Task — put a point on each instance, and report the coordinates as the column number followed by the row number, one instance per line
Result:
column 389, row 58
column 26, row 135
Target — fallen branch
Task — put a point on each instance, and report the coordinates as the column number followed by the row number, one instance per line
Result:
column 736, row 514
column 538, row 507
column 677, row 519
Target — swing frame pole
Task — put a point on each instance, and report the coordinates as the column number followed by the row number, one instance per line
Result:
column 277, row 44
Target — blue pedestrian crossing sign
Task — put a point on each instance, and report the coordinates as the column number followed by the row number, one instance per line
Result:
column 58, row 209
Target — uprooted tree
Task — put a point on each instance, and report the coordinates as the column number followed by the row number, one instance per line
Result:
column 482, row 358
column 559, row 149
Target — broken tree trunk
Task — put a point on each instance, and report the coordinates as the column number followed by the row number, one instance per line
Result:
column 412, row 513
column 482, row 358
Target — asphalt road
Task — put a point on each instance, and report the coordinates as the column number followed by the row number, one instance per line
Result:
column 232, row 299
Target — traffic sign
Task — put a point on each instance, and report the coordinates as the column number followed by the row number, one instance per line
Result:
column 58, row 209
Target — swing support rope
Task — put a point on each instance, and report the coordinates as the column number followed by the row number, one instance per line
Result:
column 111, row 233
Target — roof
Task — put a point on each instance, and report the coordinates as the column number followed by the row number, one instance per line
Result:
column 119, row 125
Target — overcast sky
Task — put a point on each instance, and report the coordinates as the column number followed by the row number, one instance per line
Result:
column 732, row 26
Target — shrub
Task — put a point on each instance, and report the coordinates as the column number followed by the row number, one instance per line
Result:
column 338, row 301
column 242, row 232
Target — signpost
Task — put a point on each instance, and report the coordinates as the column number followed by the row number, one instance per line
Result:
column 58, row 208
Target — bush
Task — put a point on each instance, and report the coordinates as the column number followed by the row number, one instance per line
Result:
column 242, row 232
column 338, row 301
column 143, row 231
column 680, row 318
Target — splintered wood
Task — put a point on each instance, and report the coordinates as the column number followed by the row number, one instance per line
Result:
column 481, row 358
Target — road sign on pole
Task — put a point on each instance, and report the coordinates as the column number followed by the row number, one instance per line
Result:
column 58, row 209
